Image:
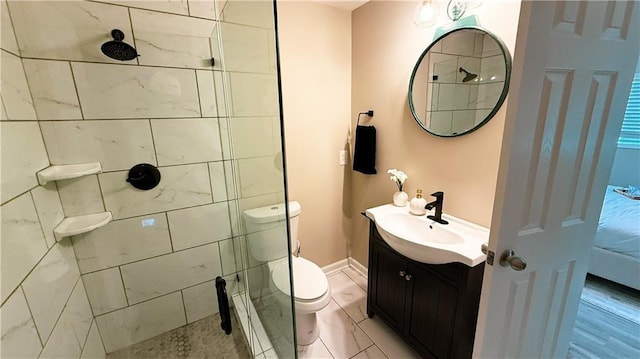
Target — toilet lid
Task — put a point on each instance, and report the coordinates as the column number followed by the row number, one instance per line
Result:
column 309, row 281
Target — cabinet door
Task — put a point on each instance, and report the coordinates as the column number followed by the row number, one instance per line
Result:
column 432, row 312
column 389, row 288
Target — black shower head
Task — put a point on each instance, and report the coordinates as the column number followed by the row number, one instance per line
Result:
column 118, row 49
column 468, row 76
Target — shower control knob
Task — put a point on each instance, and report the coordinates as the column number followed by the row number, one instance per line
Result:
column 144, row 176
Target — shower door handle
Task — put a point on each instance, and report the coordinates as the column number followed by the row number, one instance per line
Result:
column 223, row 305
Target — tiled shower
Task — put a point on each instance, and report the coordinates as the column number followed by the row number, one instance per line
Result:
column 212, row 127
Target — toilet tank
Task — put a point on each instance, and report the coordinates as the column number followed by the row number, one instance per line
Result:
column 266, row 231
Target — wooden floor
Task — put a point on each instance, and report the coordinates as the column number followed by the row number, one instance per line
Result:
column 608, row 322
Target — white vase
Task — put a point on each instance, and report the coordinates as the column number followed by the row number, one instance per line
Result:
column 400, row 199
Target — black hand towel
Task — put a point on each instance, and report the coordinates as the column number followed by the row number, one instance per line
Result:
column 364, row 157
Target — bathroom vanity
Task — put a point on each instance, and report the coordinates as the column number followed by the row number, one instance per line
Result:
column 434, row 307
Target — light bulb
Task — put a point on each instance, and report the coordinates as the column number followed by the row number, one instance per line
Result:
column 426, row 13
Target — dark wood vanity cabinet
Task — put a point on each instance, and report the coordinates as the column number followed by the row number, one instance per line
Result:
column 433, row 307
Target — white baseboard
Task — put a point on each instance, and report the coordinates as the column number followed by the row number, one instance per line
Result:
column 344, row 263
column 335, row 267
column 353, row 263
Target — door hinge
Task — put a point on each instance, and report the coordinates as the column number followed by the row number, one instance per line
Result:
column 490, row 256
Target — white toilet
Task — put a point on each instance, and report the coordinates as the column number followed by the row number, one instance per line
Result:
column 265, row 231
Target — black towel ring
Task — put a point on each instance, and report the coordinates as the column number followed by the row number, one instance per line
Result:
column 368, row 113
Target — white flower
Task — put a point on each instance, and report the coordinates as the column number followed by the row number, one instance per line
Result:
column 398, row 177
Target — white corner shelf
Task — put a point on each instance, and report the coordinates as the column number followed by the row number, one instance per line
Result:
column 71, row 226
column 62, row 172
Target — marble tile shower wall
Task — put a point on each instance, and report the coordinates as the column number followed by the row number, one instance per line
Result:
column 214, row 136
column 45, row 310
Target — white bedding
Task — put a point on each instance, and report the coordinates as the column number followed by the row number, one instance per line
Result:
column 619, row 226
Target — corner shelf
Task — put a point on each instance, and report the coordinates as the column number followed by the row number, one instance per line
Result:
column 71, row 226
column 62, row 172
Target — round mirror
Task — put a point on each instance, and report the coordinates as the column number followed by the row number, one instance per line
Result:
column 459, row 82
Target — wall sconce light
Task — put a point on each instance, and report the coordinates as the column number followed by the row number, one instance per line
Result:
column 426, row 13
column 457, row 8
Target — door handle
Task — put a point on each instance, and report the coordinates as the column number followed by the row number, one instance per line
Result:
column 484, row 248
column 508, row 259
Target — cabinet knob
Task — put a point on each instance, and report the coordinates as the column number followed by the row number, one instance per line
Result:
column 407, row 277
column 402, row 273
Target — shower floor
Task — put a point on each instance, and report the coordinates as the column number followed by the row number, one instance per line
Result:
column 202, row 339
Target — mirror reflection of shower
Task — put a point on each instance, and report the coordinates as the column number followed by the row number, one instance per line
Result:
column 468, row 75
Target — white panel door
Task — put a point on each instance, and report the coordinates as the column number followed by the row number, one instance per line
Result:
column 573, row 67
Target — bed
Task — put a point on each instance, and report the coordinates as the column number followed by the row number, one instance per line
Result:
column 616, row 253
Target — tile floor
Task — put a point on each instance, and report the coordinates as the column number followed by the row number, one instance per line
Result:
column 346, row 330
column 607, row 318
column 201, row 339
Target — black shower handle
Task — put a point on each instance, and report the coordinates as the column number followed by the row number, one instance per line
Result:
column 223, row 305
column 143, row 176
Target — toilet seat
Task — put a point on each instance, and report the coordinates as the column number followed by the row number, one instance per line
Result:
column 310, row 284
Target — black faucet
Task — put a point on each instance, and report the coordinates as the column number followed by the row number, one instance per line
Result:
column 438, row 205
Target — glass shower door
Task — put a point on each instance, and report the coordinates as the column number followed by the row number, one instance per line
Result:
column 248, row 53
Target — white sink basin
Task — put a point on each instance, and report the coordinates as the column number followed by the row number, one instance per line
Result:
column 426, row 241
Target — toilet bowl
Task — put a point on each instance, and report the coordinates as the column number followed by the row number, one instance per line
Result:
column 265, row 232
column 311, row 290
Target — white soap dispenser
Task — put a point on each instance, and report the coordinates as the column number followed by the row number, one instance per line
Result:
column 417, row 204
